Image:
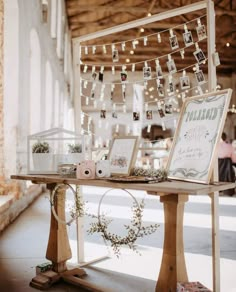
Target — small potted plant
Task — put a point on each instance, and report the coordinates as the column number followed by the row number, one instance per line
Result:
column 75, row 153
column 42, row 156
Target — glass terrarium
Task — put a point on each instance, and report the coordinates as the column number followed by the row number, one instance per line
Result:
column 49, row 149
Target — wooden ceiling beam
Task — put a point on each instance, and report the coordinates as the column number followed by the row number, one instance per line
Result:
column 76, row 8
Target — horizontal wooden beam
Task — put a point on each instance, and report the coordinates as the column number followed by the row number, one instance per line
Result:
column 75, row 8
column 146, row 20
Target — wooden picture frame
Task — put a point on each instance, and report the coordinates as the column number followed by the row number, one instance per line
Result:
column 122, row 155
column 194, row 149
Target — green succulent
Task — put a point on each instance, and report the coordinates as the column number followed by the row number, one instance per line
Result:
column 75, row 148
column 40, row 147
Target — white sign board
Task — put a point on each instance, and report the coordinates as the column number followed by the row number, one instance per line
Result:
column 199, row 130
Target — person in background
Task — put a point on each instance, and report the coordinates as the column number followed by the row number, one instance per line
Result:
column 226, row 159
column 225, row 149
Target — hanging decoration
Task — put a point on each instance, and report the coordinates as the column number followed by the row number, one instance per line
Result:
column 173, row 40
column 165, row 106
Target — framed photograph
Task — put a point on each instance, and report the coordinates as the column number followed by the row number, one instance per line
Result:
column 199, row 55
column 147, row 72
column 194, row 149
column 122, row 155
column 171, row 66
column 201, row 32
column 115, row 55
column 200, row 77
column 184, row 82
column 188, row 39
column 174, row 42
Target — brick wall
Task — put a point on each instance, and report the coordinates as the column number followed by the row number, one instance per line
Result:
column 1, row 91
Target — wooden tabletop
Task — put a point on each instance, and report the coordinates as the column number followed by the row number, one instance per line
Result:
column 161, row 188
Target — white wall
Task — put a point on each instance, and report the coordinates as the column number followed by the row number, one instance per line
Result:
column 23, row 109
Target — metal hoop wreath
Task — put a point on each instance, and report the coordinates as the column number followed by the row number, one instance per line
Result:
column 52, row 204
column 106, row 234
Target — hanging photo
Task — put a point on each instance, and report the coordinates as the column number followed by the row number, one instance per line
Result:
column 149, row 115
column 171, row 66
column 103, row 114
column 201, row 32
column 200, row 77
column 94, row 75
column 184, row 82
column 188, row 39
column 199, row 55
column 123, row 94
column 136, row 116
column 100, row 77
column 159, row 72
column 115, row 55
column 147, row 72
column 92, row 95
column 161, row 112
column 123, row 76
column 168, row 109
column 174, row 42
column 114, row 115
column 160, row 90
column 171, row 88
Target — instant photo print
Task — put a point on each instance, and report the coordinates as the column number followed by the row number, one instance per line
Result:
column 100, row 77
column 115, row 55
column 184, row 82
column 201, row 32
column 171, row 66
column 147, row 72
column 200, row 77
column 168, row 109
column 188, row 39
column 159, row 72
column 174, row 42
column 136, row 116
column 123, row 76
column 160, row 90
column 102, row 114
column 149, row 115
column 199, row 55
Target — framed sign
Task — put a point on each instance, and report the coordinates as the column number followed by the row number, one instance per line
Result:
column 122, row 155
column 194, row 149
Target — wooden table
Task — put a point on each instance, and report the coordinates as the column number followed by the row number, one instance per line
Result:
column 173, row 195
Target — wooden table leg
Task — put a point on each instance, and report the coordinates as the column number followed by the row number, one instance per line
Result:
column 58, row 250
column 173, row 268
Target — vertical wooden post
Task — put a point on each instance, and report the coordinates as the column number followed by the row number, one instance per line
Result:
column 58, row 250
column 77, row 86
column 173, row 268
column 215, row 240
column 80, row 233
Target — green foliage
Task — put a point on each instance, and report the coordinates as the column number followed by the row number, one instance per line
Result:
column 75, row 148
column 134, row 231
column 40, row 147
